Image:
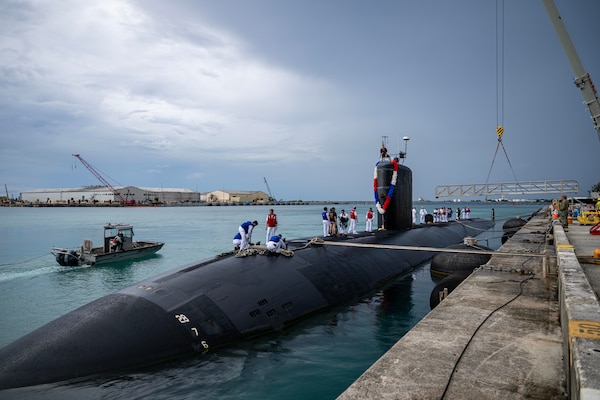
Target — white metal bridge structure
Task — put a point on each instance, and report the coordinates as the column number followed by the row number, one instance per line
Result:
column 507, row 188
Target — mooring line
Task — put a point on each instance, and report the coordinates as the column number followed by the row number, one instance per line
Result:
column 319, row 242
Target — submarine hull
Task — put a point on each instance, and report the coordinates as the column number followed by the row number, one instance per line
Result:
column 206, row 305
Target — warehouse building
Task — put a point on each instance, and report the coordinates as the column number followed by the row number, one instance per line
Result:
column 140, row 195
column 104, row 195
column 237, row 197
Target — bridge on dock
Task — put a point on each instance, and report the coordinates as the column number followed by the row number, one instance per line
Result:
column 507, row 188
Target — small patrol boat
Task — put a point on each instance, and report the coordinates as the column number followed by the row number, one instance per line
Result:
column 118, row 245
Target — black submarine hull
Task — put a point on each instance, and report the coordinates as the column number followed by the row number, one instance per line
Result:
column 208, row 304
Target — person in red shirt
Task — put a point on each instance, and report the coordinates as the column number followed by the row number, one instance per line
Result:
column 353, row 221
column 117, row 242
column 271, row 225
column 369, row 218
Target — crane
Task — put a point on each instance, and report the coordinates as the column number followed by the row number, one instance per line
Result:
column 100, row 178
column 271, row 198
column 582, row 79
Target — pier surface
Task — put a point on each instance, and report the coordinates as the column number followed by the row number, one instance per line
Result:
column 520, row 327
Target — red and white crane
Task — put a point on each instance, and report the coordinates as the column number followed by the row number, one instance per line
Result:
column 100, row 178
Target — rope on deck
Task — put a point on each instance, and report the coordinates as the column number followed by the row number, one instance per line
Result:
column 319, row 241
column 261, row 250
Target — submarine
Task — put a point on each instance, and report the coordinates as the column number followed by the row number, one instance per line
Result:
column 206, row 305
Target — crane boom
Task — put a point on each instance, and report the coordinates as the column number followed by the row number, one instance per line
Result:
column 582, row 79
column 269, row 189
column 100, row 178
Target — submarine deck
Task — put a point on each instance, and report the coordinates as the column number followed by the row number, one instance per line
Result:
column 519, row 327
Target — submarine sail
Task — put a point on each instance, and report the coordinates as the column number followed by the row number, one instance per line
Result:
column 393, row 195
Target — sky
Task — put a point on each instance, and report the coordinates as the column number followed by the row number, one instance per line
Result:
column 209, row 95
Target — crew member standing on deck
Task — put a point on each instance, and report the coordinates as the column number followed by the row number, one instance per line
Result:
column 353, row 221
column 325, row 217
column 271, row 225
column 343, row 223
column 369, row 219
column 422, row 215
column 245, row 230
column 333, row 228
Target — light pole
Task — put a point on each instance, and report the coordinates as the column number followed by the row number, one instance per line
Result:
column 406, row 139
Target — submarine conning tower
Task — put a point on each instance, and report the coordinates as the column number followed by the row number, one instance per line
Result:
column 393, row 195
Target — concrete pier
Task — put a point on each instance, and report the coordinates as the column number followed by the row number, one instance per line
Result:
column 520, row 327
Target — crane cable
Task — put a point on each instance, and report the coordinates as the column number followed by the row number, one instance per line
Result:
column 499, row 67
column 500, row 87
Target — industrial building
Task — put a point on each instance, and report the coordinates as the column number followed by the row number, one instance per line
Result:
column 140, row 195
column 121, row 194
column 237, row 196
column 132, row 195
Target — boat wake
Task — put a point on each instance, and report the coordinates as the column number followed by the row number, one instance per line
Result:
column 43, row 264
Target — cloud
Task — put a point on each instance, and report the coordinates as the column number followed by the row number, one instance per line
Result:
column 214, row 94
column 149, row 85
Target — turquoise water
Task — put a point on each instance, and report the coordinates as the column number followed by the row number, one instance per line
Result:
column 316, row 359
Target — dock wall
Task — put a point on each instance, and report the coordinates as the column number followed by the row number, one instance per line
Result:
column 580, row 322
column 520, row 327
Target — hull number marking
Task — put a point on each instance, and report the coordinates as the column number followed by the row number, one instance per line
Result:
column 182, row 318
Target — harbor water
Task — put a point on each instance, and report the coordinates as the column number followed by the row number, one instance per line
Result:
column 317, row 358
